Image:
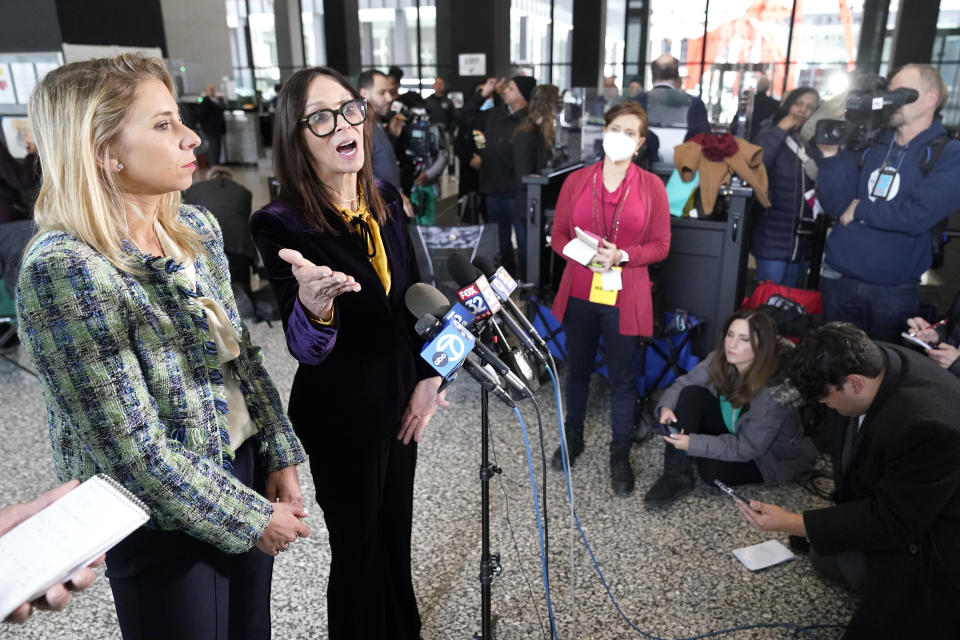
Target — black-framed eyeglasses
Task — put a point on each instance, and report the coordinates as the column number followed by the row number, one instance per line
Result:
column 323, row 122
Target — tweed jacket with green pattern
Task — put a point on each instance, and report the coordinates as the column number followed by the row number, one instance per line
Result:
column 134, row 387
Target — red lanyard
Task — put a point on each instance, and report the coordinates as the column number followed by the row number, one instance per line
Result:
column 611, row 232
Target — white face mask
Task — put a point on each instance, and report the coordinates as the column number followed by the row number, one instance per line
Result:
column 618, row 146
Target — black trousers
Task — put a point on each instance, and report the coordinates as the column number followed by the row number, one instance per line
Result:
column 365, row 489
column 699, row 412
column 583, row 325
column 167, row 584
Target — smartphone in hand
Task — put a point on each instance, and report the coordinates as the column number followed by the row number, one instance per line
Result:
column 669, row 429
column 730, row 492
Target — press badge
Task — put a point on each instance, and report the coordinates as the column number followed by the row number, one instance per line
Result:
column 884, row 184
column 605, row 285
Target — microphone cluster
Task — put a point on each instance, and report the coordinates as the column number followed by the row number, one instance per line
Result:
column 451, row 330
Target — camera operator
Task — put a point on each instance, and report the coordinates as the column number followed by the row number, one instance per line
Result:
column 888, row 198
column 422, row 158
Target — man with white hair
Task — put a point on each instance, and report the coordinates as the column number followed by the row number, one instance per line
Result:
column 888, row 198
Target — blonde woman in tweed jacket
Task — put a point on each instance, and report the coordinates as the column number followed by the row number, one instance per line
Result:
column 125, row 307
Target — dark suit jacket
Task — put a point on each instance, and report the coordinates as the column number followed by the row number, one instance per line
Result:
column 230, row 203
column 667, row 106
column 211, row 117
column 19, row 182
column 356, row 377
column 385, row 165
column 498, row 176
column 899, row 502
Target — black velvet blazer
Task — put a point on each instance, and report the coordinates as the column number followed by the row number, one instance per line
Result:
column 356, row 377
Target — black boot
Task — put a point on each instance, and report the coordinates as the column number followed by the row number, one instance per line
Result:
column 621, row 473
column 677, row 479
column 575, row 447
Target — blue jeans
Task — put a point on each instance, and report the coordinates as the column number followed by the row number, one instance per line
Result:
column 879, row 309
column 504, row 212
column 583, row 325
column 782, row 271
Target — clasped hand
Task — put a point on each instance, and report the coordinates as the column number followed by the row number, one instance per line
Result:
column 283, row 492
column 319, row 285
column 607, row 256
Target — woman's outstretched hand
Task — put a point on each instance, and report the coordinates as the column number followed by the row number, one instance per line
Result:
column 319, row 285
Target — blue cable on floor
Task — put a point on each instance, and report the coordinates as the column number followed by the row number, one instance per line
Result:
column 797, row 629
column 536, row 505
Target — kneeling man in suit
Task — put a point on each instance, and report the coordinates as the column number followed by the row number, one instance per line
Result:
column 894, row 532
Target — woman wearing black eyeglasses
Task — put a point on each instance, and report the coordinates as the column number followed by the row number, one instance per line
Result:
column 336, row 249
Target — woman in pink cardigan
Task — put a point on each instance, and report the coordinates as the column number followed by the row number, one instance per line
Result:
column 627, row 208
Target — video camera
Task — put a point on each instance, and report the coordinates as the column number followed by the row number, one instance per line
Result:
column 868, row 111
column 396, row 106
column 418, row 142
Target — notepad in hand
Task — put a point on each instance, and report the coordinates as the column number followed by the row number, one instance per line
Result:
column 582, row 247
column 592, row 240
column 763, row 555
column 51, row 545
column 914, row 340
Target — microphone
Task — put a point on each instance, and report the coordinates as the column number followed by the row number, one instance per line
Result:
column 433, row 327
column 473, row 285
column 467, row 276
column 474, row 292
column 449, row 348
column 422, row 298
column 397, row 106
column 503, row 284
column 428, row 302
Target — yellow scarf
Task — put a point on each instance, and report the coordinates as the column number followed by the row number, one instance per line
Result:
column 374, row 242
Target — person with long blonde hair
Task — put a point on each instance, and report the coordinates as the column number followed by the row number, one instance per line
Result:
column 149, row 374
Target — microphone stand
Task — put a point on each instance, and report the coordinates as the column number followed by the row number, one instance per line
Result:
column 489, row 562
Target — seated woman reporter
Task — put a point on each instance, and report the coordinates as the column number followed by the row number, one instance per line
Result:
column 340, row 261
column 125, row 307
column 737, row 418
column 626, row 207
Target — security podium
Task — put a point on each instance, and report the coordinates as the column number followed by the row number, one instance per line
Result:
column 705, row 270
column 540, row 193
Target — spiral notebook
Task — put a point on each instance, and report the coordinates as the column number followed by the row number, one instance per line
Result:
column 51, row 545
column 763, row 555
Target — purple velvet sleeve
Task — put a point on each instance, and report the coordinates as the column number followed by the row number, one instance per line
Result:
column 309, row 343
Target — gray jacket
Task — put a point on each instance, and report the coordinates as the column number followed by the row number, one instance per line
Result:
column 769, row 433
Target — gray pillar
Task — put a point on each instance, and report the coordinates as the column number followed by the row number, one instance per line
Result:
column 589, row 19
column 916, row 30
column 342, row 30
column 289, row 30
column 873, row 30
column 401, row 41
column 473, row 26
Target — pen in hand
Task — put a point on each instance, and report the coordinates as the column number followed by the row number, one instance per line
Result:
column 939, row 323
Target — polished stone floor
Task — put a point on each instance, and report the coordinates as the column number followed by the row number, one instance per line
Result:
column 672, row 573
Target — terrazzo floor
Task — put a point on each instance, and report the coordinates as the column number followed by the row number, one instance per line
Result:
column 672, row 573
